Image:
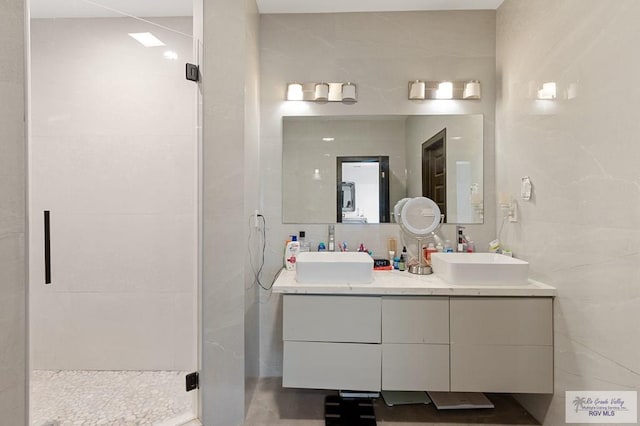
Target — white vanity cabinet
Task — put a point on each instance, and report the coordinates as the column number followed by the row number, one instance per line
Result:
column 502, row 344
column 332, row 342
column 436, row 343
column 415, row 343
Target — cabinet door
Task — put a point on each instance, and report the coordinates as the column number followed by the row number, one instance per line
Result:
column 501, row 368
column 501, row 344
column 319, row 318
column 415, row 367
column 502, row 320
column 317, row 365
column 415, row 320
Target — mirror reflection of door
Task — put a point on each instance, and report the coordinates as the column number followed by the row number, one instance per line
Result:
column 348, row 197
column 370, row 177
column 434, row 168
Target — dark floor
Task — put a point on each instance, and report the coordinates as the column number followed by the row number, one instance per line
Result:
column 273, row 405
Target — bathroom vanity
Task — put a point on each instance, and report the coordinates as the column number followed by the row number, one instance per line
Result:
column 409, row 332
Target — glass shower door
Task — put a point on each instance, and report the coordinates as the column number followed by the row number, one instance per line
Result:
column 113, row 159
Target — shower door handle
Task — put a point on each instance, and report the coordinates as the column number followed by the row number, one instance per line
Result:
column 47, row 247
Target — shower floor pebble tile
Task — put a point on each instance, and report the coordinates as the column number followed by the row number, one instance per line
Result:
column 122, row 398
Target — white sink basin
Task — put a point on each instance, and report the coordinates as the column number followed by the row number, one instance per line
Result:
column 327, row 267
column 480, row 269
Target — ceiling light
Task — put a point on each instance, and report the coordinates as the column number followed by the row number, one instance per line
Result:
column 147, row 39
column 328, row 139
column 170, row 54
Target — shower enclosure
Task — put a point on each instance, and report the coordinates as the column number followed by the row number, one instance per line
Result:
column 113, row 212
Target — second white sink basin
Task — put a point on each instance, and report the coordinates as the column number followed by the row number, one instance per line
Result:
column 328, row 267
column 480, row 269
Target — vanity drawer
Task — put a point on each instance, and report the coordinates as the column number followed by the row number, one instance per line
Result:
column 502, row 320
column 415, row 320
column 318, row 365
column 501, row 368
column 319, row 318
column 415, row 367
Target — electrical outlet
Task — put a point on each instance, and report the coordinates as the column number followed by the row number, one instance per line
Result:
column 513, row 212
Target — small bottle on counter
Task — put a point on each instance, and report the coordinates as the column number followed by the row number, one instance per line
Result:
column 448, row 248
column 427, row 253
column 304, row 245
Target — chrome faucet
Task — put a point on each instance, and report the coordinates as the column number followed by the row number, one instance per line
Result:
column 332, row 238
column 460, row 238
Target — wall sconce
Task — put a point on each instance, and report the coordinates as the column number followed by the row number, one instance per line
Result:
column 416, row 90
column 294, row 92
column 548, row 91
column 464, row 90
column 322, row 92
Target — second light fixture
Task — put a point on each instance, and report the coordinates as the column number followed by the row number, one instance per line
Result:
column 322, row 92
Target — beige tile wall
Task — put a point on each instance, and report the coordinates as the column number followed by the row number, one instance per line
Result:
column 581, row 230
column 13, row 355
column 380, row 52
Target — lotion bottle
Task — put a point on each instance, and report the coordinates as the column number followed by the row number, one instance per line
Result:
column 291, row 253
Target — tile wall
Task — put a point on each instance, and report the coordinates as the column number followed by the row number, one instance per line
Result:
column 581, row 229
column 380, row 52
column 13, row 312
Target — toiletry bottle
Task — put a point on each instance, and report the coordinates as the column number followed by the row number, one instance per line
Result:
column 448, row 248
column 304, row 245
column 402, row 263
column 405, row 254
column 471, row 247
column 461, row 245
column 427, row 253
column 322, row 247
column 396, row 263
column 291, row 253
column 332, row 238
column 439, row 247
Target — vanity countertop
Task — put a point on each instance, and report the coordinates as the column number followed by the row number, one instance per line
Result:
column 403, row 283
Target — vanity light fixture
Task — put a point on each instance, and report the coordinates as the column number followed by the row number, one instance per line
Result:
column 322, row 92
column 548, row 91
column 294, row 92
column 349, row 92
column 444, row 89
column 416, row 90
column 471, row 90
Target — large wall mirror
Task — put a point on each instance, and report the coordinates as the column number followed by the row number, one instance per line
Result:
column 437, row 156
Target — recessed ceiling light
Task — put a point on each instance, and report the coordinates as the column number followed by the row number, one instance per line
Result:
column 170, row 54
column 147, row 39
column 328, row 139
